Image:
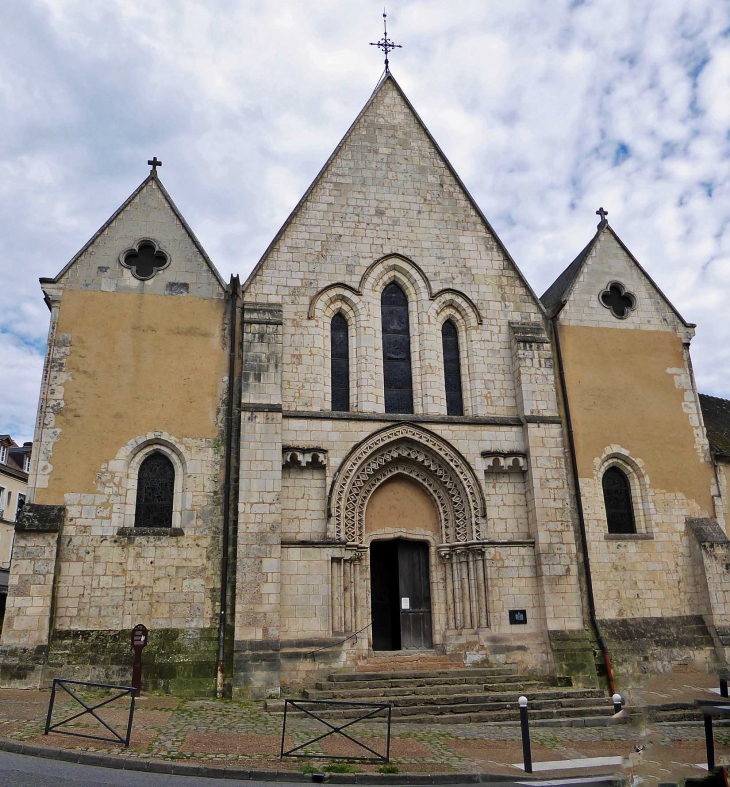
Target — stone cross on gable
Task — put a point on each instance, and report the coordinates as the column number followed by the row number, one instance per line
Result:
column 602, row 213
column 154, row 162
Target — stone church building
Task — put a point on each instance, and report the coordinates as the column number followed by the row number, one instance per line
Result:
column 382, row 441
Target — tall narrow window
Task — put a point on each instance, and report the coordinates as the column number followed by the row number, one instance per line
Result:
column 617, row 498
column 398, row 380
column 452, row 369
column 155, row 489
column 340, row 351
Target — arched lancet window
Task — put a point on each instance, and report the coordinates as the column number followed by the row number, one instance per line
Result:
column 155, row 490
column 452, row 369
column 398, row 380
column 617, row 498
column 340, row 369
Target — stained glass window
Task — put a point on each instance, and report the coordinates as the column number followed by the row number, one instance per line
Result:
column 452, row 369
column 398, row 380
column 617, row 498
column 155, row 489
column 340, row 368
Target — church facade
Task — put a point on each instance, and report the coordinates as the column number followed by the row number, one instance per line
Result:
column 382, row 441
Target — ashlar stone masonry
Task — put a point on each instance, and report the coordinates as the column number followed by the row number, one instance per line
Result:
column 339, row 533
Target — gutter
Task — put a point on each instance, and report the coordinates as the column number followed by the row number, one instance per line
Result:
column 579, row 507
column 234, row 285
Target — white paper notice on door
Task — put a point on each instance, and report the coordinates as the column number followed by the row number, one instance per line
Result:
column 405, row 603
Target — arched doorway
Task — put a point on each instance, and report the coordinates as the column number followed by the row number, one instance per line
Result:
column 400, row 594
column 400, row 576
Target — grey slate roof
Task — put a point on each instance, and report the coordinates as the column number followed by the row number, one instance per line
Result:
column 557, row 293
column 716, row 415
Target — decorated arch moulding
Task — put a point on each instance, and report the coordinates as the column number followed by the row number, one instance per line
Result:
column 641, row 491
column 444, row 472
column 405, row 271
column 131, row 454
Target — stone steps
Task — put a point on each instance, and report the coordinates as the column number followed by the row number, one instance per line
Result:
column 477, row 702
column 498, row 690
column 483, row 694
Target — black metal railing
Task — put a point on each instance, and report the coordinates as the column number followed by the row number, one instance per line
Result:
column 375, row 708
column 124, row 691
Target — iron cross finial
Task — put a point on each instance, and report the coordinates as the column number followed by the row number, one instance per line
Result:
column 385, row 43
column 602, row 213
column 154, row 163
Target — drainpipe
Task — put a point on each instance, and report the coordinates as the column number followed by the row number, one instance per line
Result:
column 579, row 507
column 227, row 487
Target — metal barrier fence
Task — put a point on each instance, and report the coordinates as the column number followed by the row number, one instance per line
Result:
column 376, row 707
column 62, row 683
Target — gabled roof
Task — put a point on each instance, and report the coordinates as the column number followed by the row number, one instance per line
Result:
column 152, row 176
column 388, row 77
column 558, row 293
column 716, row 415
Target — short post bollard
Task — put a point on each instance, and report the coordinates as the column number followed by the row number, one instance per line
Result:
column 709, row 743
column 526, row 751
column 617, row 703
column 139, row 642
column 723, row 687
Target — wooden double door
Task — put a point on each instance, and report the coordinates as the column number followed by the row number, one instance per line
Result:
column 400, row 591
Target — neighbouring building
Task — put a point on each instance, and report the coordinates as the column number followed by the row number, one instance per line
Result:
column 14, row 467
column 382, row 441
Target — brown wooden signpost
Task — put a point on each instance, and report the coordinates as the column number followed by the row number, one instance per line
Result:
column 139, row 642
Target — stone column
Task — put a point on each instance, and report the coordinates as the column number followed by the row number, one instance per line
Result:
column 258, row 560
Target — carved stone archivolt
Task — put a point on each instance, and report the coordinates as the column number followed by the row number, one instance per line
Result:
column 409, row 450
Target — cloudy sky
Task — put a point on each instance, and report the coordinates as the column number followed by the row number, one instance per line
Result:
column 546, row 109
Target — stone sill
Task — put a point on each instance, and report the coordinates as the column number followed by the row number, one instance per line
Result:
column 146, row 532
column 628, row 536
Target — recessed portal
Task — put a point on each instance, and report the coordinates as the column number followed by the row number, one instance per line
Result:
column 401, row 595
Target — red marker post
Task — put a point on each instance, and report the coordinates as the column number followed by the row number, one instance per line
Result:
column 139, row 642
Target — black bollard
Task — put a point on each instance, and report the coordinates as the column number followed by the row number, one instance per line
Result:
column 723, row 687
column 526, row 751
column 709, row 743
column 617, row 703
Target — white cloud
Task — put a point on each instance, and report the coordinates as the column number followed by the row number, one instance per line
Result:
column 535, row 104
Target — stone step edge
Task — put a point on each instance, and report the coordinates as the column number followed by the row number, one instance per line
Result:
column 245, row 774
column 495, row 672
column 435, row 713
column 465, row 690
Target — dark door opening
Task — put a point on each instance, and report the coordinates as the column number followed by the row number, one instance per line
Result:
column 400, row 590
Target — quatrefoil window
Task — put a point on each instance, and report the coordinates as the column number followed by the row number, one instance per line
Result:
column 145, row 259
column 616, row 298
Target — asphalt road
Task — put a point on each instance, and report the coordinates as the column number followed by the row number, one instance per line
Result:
column 18, row 770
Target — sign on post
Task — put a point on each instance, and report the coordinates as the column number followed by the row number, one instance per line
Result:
column 139, row 642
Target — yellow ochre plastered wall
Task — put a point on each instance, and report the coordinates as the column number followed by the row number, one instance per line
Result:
column 135, row 363
column 130, row 371
column 629, row 392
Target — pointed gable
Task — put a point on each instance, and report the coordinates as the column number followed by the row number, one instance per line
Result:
column 149, row 213
column 576, row 295
column 388, row 188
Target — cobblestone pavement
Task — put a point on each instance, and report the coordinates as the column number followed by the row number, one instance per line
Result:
column 240, row 734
